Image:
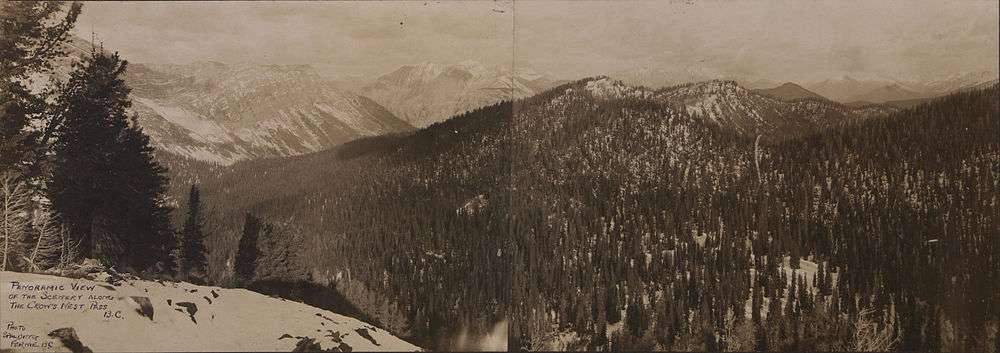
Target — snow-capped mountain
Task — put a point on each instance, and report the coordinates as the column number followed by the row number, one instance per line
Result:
column 656, row 75
column 223, row 113
column 732, row 106
column 945, row 84
column 847, row 88
column 908, row 103
column 431, row 92
column 789, row 91
column 879, row 89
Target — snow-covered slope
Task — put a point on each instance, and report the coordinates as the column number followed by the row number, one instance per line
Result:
column 732, row 106
column 430, row 92
column 225, row 113
column 137, row 315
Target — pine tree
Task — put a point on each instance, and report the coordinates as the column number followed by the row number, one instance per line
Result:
column 13, row 207
column 105, row 185
column 248, row 251
column 794, row 254
column 818, row 277
column 33, row 35
column 805, row 299
column 757, row 301
column 662, row 325
column 277, row 256
column 791, row 297
column 827, row 282
column 611, row 304
column 192, row 262
column 635, row 316
column 43, row 250
column 760, row 338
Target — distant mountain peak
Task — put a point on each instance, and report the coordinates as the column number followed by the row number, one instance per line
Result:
column 606, row 87
column 222, row 113
column 789, row 85
column 767, row 112
column 430, row 92
column 889, row 92
column 715, row 86
column 473, row 67
column 790, row 91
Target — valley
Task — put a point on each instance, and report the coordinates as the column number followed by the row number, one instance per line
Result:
column 499, row 176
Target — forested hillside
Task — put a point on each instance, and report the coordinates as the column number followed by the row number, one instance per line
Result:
column 418, row 219
column 626, row 212
column 473, row 207
column 602, row 216
column 753, row 112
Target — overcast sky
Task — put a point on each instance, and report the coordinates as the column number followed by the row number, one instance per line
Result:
column 778, row 40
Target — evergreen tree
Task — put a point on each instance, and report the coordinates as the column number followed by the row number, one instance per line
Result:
column 757, row 301
column 33, row 33
column 635, row 316
column 791, row 297
column 277, row 256
column 794, row 254
column 662, row 325
column 827, row 287
column 13, row 221
column 105, row 185
column 192, row 262
column 43, row 247
column 805, row 299
column 248, row 251
column 611, row 305
column 760, row 338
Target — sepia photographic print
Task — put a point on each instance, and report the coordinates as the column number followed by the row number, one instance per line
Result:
column 499, row 176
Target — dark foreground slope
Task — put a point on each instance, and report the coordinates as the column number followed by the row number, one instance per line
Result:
column 600, row 215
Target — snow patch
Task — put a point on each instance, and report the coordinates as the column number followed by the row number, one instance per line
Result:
column 139, row 316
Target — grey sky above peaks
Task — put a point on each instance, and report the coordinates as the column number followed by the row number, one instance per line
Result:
column 775, row 40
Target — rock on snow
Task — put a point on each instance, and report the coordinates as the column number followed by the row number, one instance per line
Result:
column 139, row 315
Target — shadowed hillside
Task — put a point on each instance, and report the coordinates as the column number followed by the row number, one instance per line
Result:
column 533, row 210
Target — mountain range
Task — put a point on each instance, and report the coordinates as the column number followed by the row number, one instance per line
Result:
column 880, row 89
column 732, row 106
column 223, row 113
column 909, row 103
column 430, row 92
column 853, row 88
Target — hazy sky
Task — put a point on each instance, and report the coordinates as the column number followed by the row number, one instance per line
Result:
column 349, row 37
column 779, row 40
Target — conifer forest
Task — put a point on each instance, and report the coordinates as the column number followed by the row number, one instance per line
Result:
column 613, row 176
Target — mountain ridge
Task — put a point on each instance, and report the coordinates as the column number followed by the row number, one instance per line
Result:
column 430, row 92
column 789, row 91
column 224, row 113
